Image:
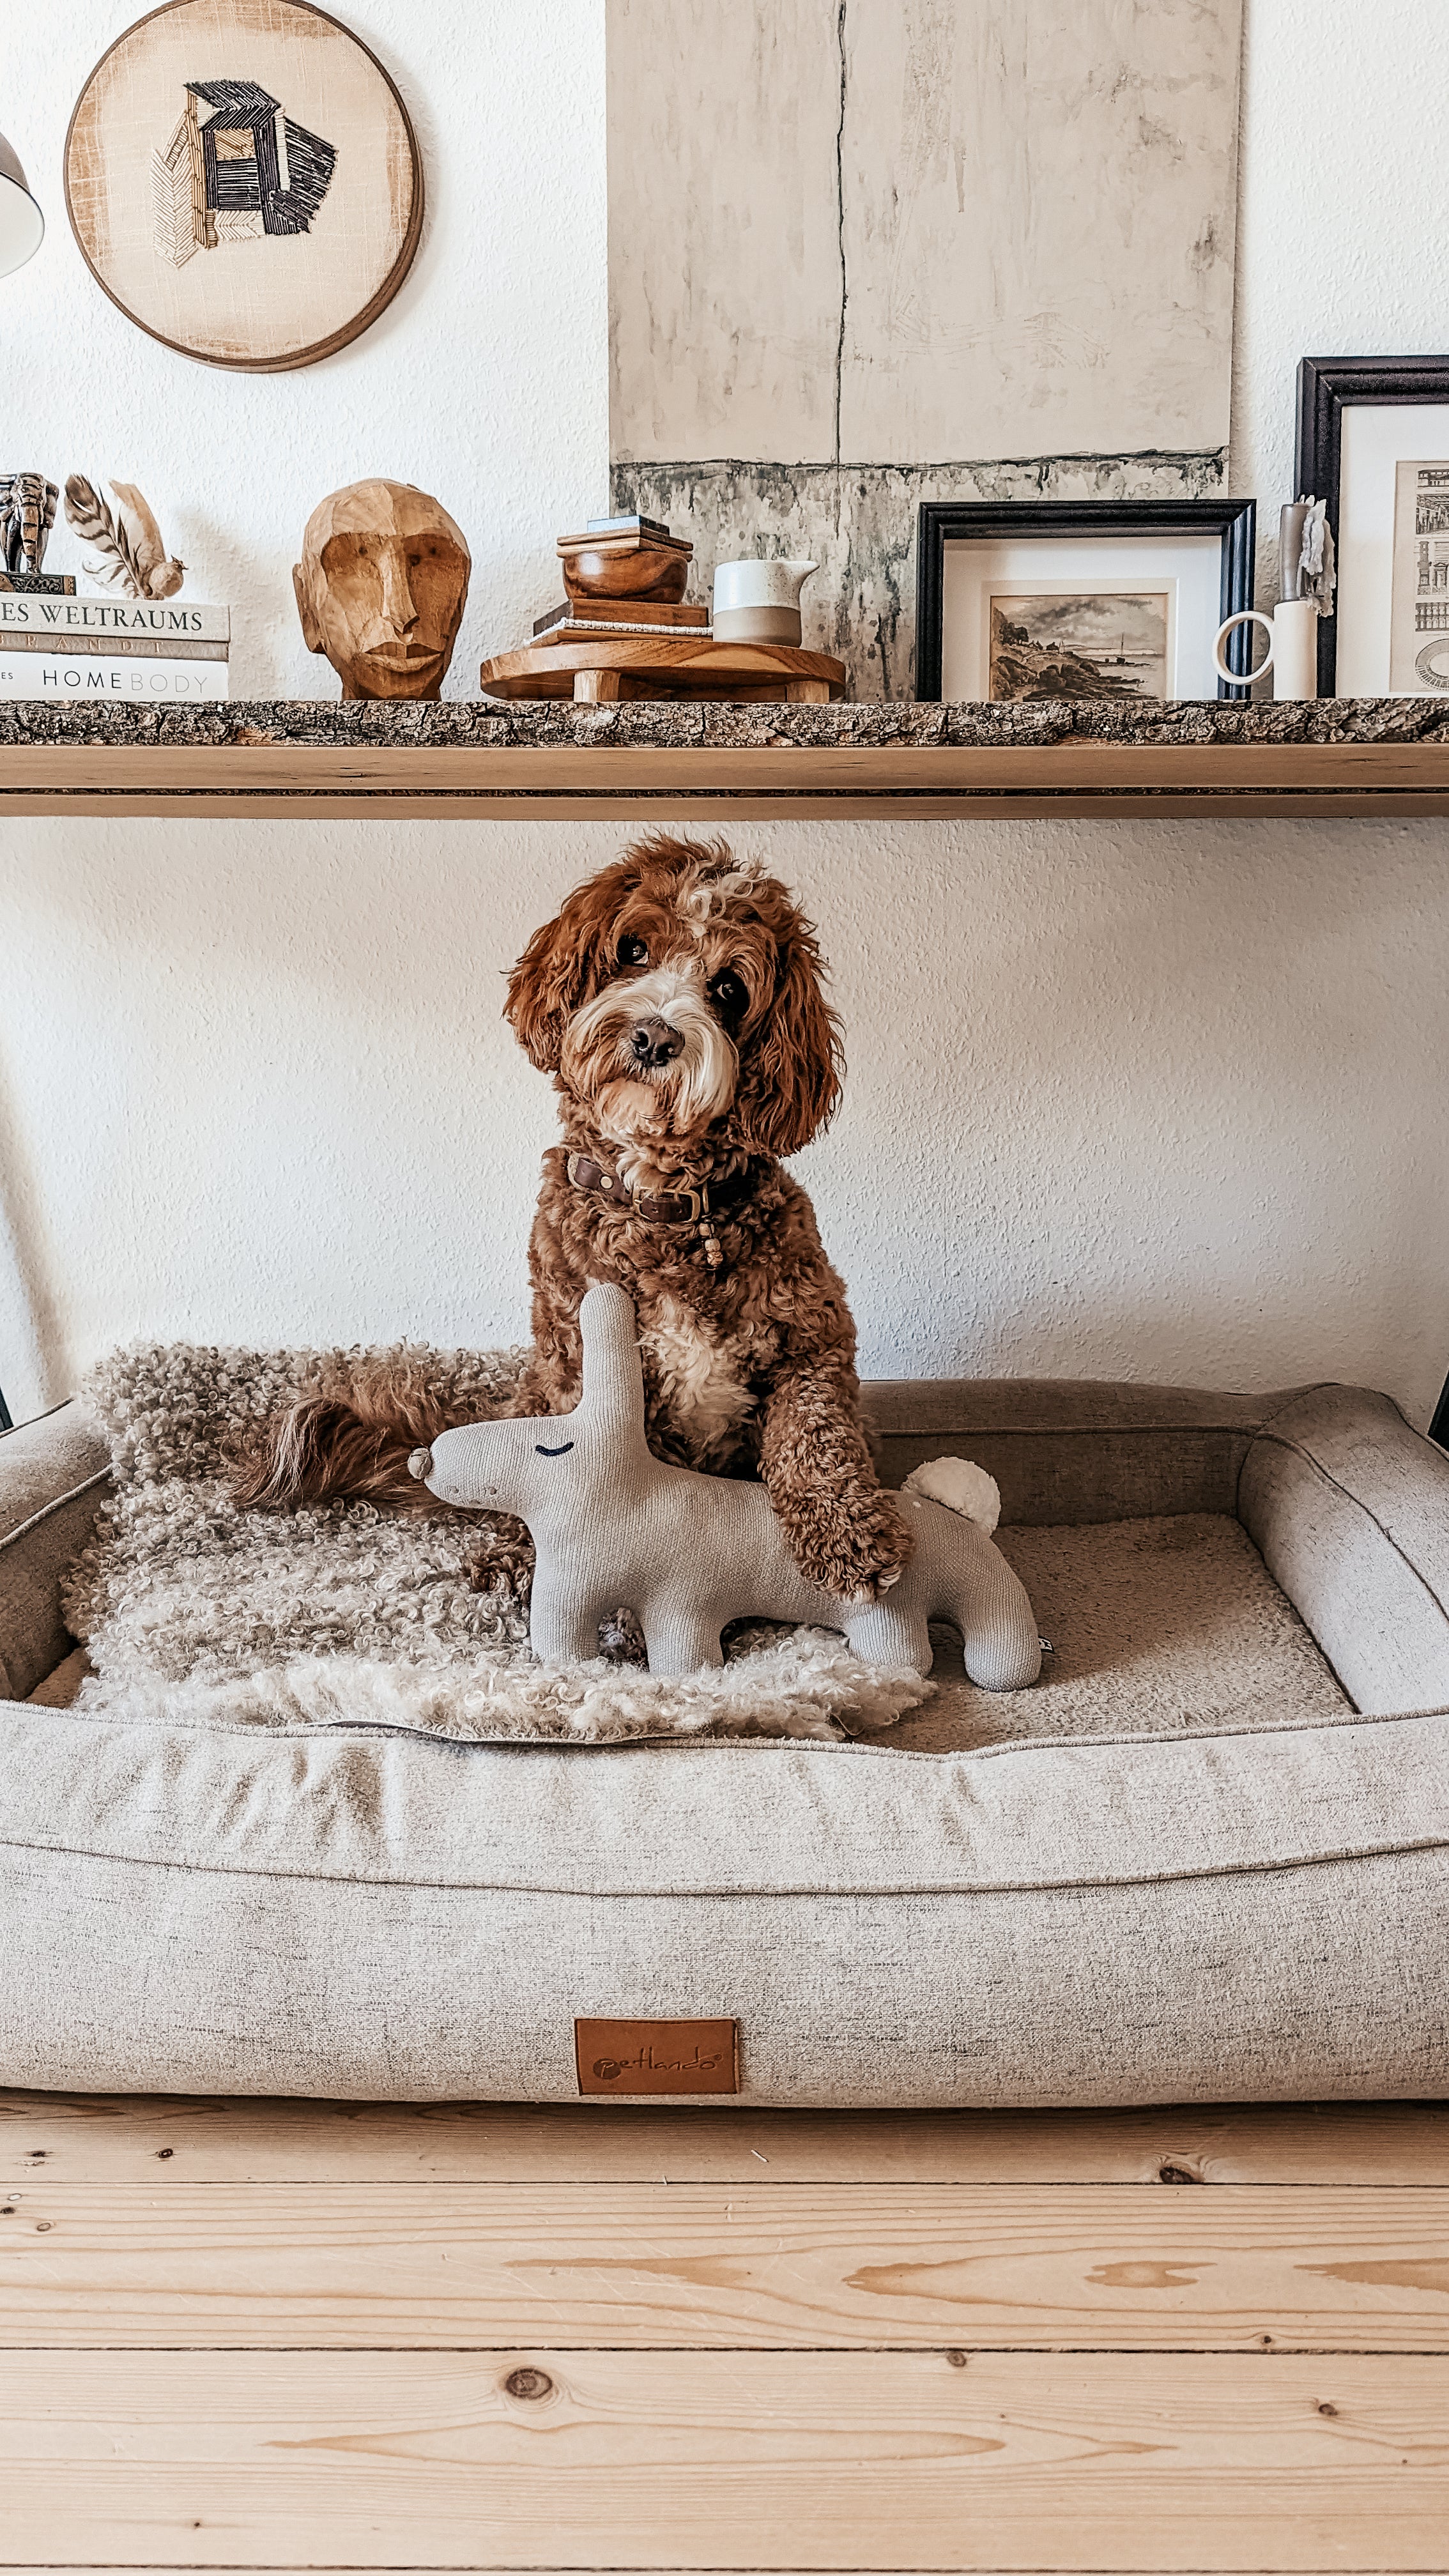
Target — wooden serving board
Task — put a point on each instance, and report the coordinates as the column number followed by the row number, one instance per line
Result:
column 666, row 666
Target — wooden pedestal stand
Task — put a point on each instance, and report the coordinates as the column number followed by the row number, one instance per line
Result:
column 664, row 666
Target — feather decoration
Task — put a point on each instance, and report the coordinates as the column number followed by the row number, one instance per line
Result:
column 160, row 573
column 128, row 543
column 87, row 513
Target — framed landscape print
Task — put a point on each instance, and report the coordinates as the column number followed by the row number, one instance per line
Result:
column 1373, row 442
column 244, row 182
column 1113, row 600
column 1094, row 643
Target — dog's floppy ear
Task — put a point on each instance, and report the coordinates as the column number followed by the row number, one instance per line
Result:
column 556, row 970
column 796, row 1062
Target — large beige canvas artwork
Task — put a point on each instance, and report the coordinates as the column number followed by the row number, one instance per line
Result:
column 243, row 180
column 868, row 252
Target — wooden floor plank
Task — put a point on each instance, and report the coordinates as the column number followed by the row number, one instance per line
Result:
column 709, row 2460
column 458, row 2264
column 103, row 2138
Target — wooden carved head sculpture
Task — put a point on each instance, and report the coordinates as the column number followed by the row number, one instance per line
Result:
column 380, row 588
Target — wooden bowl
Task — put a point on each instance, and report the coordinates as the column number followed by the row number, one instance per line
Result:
column 642, row 572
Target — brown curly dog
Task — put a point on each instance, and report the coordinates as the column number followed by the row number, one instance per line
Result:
column 677, row 1002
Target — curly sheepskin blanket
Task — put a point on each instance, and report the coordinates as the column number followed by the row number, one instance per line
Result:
column 195, row 1613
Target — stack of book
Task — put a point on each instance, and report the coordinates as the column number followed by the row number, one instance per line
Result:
column 132, row 652
column 624, row 576
column 574, row 620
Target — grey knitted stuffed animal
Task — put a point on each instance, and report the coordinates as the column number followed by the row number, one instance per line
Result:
column 613, row 1525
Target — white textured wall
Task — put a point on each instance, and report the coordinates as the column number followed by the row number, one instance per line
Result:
column 1158, row 1100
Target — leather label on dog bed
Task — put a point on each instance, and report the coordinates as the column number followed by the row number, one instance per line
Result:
column 657, row 2056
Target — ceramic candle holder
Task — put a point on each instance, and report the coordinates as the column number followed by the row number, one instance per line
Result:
column 1292, row 655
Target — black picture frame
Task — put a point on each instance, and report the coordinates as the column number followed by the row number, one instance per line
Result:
column 1325, row 385
column 1233, row 522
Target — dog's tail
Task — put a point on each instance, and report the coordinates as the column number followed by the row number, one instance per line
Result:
column 350, row 1441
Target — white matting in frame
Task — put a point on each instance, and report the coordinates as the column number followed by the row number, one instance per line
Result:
column 1376, row 438
column 1187, row 569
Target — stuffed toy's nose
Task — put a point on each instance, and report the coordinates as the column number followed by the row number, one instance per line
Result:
column 420, row 1464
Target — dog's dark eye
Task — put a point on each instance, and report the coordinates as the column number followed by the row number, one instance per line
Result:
column 729, row 992
column 632, row 952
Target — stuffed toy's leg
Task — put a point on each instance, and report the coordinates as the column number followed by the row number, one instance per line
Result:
column 563, row 1627
column 990, row 1606
column 886, row 1633
column 958, row 1576
column 563, row 1623
column 679, row 1638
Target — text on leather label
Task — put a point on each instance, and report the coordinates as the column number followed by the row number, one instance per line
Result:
column 657, row 2056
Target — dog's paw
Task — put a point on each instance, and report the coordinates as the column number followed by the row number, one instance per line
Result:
column 854, row 1546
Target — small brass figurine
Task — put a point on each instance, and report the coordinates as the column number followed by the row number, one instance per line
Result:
column 27, row 515
column 380, row 588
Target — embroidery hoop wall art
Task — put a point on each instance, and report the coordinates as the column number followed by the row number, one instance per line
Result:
column 244, row 182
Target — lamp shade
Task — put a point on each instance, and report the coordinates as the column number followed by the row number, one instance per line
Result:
column 22, row 225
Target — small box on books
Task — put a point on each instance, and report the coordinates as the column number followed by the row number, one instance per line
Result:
column 147, row 652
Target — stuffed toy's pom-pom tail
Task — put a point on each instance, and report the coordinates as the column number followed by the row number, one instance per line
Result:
column 962, row 1486
column 420, row 1464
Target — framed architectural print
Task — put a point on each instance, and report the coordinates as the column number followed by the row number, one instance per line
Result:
column 1373, row 442
column 1115, row 600
column 244, row 182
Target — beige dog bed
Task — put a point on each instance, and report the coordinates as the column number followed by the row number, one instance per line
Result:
column 1204, row 1858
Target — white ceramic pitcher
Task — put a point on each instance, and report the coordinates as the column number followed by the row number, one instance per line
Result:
column 1292, row 654
column 757, row 599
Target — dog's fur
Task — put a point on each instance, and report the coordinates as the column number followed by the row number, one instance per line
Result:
column 749, row 1366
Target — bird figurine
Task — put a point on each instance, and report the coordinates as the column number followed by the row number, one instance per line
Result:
column 128, row 543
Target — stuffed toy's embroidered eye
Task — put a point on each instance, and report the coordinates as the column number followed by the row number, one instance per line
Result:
column 541, row 1452
column 632, row 952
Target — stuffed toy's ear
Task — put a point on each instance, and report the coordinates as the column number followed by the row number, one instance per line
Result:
column 613, row 1373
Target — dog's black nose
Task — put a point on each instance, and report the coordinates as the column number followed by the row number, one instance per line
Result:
column 655, row 1042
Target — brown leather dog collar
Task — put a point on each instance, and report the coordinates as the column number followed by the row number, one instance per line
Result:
column 662, row 1207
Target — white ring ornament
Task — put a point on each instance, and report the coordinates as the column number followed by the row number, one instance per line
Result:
column 1292, row 654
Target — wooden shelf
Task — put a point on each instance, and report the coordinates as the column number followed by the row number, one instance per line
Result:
column 1074, row 776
